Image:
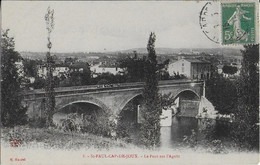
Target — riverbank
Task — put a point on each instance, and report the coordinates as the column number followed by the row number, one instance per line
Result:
column 56, row 139
column 48, row 146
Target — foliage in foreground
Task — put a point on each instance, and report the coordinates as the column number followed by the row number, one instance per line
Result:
column 12, row 111
column 56, row 139
column 240, row 97
column 222, row 93
column 246, row 130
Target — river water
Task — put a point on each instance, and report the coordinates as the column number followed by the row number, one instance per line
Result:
column 194, row 129
column 198, row 133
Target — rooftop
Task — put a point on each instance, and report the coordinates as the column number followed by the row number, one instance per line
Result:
column 194, row 60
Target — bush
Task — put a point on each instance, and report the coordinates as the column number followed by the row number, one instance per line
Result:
column 191, row 140
column 229, row 69
column 213, row 146
column 217, row 147
column 124, row 130
column 102, row 81
column 68, row 125
column 37, row 122
column 222, row 93
column 38, row 83
column 100, row 125
column 15, row 137
column 22, row 117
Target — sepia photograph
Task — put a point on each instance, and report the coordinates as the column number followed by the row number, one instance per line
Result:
column 130, row 82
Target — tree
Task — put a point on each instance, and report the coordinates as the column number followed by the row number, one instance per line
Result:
column 12, row 112
column 102, row 81
column 246, row 131
column 49, row 85
column 163, row 72
column 150, row 128
column 30, row 67
column 70, row 61
column 108, row 78
column 38, row 83
column 75, row 78
column 178, row 76
column 229, row 69
column 84, row 72
column 222, row 93
column 134, row 68
column 79, row 74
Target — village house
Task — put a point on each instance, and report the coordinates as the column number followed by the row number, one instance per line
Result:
column 105, row 68
column 58, row 71
column 192, row 68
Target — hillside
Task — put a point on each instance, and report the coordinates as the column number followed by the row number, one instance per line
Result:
column 217, row 51
column 227, row 52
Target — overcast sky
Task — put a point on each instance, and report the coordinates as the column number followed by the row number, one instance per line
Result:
column 105, row 26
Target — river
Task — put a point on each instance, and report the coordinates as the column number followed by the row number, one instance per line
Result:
column 205, row 134
column 197, row 130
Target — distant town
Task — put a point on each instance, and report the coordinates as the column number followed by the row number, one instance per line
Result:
column 98, row 67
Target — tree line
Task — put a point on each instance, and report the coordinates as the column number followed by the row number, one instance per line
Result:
column 133, row 71
column 240, row 96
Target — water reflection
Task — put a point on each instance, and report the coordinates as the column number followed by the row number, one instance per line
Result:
column 166, row 141
column 172, row 137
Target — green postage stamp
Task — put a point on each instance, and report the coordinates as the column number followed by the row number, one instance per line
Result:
column 238, row 23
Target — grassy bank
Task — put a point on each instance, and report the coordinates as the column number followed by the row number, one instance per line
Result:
column 51, row 146
column 57, row 139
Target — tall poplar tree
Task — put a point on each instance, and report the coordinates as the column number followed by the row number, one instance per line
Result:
column 151, row 113
column 49, row 84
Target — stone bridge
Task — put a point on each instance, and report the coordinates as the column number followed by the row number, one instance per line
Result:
column 111, row 98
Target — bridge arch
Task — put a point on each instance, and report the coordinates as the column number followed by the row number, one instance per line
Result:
column 127, row 100
column 175, row 96
column 187, row 104
column 186, row 90
column 86, row 99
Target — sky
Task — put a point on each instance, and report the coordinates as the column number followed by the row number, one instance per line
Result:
column 88, row 26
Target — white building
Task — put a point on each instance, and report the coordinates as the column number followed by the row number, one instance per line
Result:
column 58, row 71
column 191, row 68
column 99, row 69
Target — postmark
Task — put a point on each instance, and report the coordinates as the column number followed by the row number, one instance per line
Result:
column 210, row 21
column 238, row 23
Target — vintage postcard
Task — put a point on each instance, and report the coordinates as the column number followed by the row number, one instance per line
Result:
column 130, row 82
